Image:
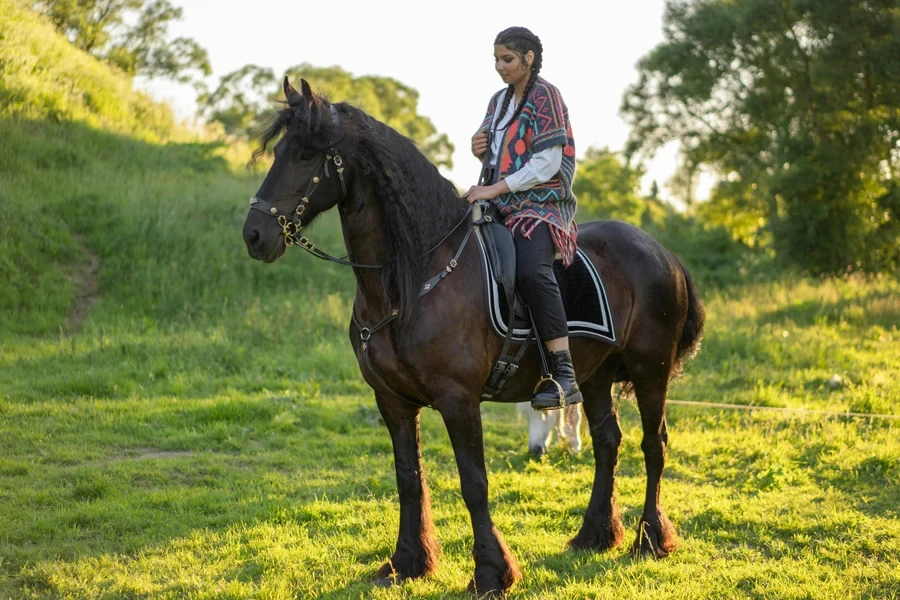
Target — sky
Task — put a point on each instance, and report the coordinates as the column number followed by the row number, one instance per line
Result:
column 443, row 50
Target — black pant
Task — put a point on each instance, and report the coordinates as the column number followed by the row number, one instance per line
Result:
column 537, row 283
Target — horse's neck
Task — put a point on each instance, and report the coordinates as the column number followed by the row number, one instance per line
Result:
column 362, row 222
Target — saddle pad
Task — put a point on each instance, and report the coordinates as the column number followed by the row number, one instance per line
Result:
column 583, row 296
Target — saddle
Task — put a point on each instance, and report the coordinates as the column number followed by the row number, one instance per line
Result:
column 581, row 288
column 500, row 249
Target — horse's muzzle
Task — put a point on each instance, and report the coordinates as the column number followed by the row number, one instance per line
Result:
column 259, row 249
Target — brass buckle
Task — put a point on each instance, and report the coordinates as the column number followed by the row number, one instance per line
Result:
column 288, row 230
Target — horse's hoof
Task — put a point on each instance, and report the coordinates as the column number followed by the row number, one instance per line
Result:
column 492, row 582
column 656, row 537
column 481, row 594
column 605, row 539
column 387, row 576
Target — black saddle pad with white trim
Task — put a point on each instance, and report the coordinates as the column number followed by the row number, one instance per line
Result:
column 583, row 295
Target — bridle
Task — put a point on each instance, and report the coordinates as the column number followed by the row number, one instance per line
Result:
column 291, row 227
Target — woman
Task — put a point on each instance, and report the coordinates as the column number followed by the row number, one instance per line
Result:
column 528, row 175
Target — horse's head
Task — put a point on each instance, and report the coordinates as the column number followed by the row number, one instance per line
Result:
column 306, row 177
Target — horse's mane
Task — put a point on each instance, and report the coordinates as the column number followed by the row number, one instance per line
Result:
column 419, row 205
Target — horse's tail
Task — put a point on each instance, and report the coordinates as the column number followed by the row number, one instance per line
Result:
column 688, row 343
column 692, row 331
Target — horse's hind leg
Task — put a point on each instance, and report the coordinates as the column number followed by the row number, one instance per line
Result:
column 655, row 535
column 602, row 526
column 417, row 549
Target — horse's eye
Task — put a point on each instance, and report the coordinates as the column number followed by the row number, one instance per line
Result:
column 307, row 156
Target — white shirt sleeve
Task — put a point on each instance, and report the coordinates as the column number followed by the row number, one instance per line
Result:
column 500, row 134
column 540, row 169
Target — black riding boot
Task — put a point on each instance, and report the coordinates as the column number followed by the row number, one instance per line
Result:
column 547, row 394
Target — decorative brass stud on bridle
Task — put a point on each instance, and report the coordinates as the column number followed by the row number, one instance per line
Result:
column 302, row 206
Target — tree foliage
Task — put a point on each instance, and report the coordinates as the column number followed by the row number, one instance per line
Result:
column 608, row 189
column 130, row 34
column 243, row 101
column 796, row 104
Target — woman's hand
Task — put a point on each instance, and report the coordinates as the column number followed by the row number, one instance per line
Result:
column 486, row 192
column 479, row 144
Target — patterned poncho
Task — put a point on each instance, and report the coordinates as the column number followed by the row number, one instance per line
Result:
column 543, row 123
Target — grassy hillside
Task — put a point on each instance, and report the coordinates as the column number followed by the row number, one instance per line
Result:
column 43, row 77
column 81, row 150
column 202, row 431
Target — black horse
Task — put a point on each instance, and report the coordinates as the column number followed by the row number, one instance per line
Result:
column 437, row 350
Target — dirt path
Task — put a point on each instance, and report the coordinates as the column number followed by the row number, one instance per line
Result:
column 88, row 287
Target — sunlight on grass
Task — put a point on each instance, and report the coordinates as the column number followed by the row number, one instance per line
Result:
column 258, row 504
column 204, row 431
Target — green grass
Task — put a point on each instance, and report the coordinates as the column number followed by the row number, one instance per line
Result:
column 290, row 493
column 204, row 432
column 781, row 343
column 42, row 76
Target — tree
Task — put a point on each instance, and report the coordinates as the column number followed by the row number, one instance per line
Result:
column 796, row 104
column 608, row 189
column 103, row 28
column 243, row 101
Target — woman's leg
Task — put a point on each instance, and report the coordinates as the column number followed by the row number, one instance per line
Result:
column 540, row 291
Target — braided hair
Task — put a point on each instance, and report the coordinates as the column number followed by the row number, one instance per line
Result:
column 520, row 40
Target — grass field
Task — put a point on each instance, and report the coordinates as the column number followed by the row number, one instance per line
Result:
column 179, row 421
column 204, row 431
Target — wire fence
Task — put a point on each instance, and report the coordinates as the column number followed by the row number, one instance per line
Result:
column 780, row 409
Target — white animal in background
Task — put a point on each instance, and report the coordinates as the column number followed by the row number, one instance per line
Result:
column 542, row 424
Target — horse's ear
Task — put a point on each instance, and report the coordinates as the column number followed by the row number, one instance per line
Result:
column 307, row 91
column 290, row 94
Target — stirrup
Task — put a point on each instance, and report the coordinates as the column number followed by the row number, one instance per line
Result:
column 559, row 389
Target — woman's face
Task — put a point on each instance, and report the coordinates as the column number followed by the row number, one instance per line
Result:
column 510, row 67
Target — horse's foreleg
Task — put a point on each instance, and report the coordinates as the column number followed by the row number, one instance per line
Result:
column 496, row 569
column 602, row 526
column 656, row 536
column 417, row 548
